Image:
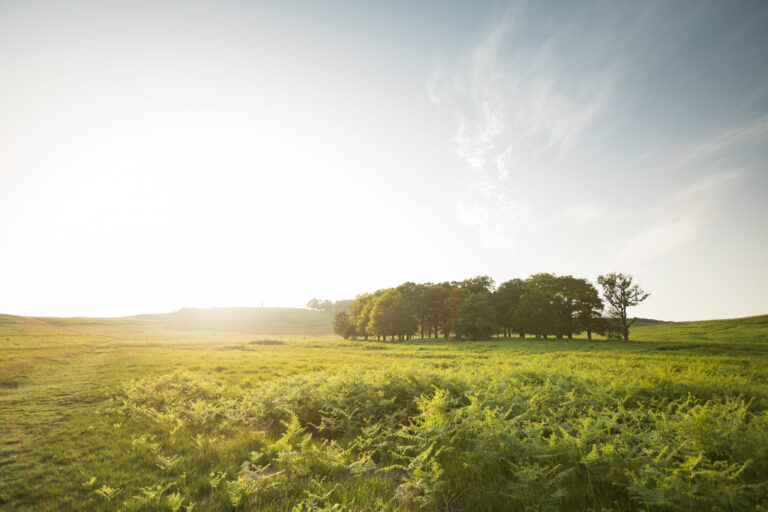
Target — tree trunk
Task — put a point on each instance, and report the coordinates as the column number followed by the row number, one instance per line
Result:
column 624, row 323
column 589, row 334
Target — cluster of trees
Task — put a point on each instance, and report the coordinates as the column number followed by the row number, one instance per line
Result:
column 542, row 305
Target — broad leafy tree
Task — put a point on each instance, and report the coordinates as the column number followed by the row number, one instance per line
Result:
column 507, row 301
column 479, row 284
column 538, row 313
column 476, row 318
column 342, row 326
column 413, row 294
column 588, row 307
column 450, row 310
column 435, row 300
column 392, row 315
column 470, row 307
column 358, row 314
column 545, row 311
column 621, row 293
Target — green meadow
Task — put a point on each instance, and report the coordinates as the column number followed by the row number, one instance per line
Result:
column 267, row 410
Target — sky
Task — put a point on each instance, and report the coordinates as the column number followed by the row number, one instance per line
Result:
column 159, row 154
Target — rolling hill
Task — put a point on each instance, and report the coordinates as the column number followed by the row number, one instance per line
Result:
column 264, row 321
column 250, row 320
column 746, row 329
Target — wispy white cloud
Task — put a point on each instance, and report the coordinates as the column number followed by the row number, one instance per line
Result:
column 509, row 99
column 684, row 215
column 662, row 237
column 517, row 103
column 527, row 103
column 713, row 146
column 493, row 219
column 679, row 219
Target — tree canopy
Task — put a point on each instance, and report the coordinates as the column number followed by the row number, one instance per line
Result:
column 542, row 305
column 621, row 293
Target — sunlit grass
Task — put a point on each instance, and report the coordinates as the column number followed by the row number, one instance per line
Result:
column 122, row 415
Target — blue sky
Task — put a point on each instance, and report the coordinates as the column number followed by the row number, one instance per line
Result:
column 157, row 155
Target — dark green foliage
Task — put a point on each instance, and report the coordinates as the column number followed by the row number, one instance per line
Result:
column 342, row 325
column 507, row 301
column 359, row 314
column 416, row 296
column 477, row 317
column 610, row 327
column 392, row 315
column 542, row 305
column 476, row 285
column 588, row 307
column 538, row 313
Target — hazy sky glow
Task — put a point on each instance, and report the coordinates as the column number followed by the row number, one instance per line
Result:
column 158, row 155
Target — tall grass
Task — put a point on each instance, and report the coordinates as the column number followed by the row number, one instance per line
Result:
column 552, row 436
column 118, row 415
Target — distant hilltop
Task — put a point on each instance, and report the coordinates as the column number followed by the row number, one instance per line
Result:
column 252, row 320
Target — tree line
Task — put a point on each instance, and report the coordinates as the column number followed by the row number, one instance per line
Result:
column 542, row 305
column 328, row 306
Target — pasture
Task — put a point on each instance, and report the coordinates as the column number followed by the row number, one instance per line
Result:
column 138, row 414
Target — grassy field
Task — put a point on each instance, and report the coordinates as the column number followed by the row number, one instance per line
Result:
column 159, row 413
